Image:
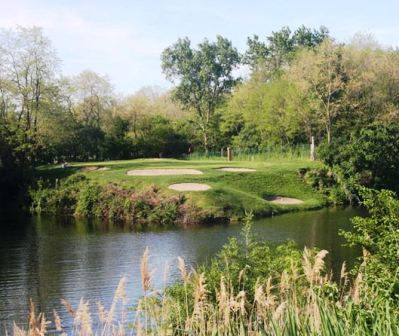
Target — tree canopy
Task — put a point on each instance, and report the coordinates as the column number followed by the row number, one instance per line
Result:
column 203, row 76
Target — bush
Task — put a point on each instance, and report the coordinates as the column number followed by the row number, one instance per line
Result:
column 370, row 157
column 328, row 182
column 79, row 196
column 378, row 235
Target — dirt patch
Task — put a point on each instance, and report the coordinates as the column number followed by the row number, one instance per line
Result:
column 162, row 172
column 237, row 170
column 189, row 187
column 283, row 200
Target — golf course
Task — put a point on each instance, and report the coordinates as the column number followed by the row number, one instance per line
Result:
column 226, row 190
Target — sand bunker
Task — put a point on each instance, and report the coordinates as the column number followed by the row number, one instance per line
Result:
column 154, row 159
column 237, row 170
column 88, row 169
column 189, row 187
column 162, row 172
column 103, row 168
column 93, row 168
column 283, row 200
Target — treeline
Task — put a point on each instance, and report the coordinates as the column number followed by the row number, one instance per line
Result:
column 46, row 117
column 300, row 84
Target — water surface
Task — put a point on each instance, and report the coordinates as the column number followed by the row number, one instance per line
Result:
column 47, row 259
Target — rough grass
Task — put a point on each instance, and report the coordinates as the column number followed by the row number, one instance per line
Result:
column 231, row 193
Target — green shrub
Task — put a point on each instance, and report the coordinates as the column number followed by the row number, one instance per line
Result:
column 378, row 235
column 328, row 182
column 88, row 199
column 370, row 157
column 80, row 197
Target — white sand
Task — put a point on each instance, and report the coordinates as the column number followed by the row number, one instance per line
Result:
column 154, row 159
column 93, row 168
column 189, row 187
column 88, row 168
column 161, row 172
column 237, row 170
column 103, row 168
column 283, row 200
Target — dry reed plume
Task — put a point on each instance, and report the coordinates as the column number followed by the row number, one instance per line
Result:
column 292, row 303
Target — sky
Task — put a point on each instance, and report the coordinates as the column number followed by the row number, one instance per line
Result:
column 124, row 39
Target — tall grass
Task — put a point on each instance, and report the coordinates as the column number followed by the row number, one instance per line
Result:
column 276, row 152
column 299, row 301
column 239, row 294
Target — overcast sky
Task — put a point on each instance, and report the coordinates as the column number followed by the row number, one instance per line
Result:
column 124, row 39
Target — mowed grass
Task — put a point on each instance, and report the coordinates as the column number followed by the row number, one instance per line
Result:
column 231, row 193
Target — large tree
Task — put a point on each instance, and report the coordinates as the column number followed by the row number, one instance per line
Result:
column 28, row 65
column 321, row 76
column 203, row 77
column 280, row 47
column 93, row 97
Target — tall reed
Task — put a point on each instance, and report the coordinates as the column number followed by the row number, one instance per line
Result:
column 301, row 300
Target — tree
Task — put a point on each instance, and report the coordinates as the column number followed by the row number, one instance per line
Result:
column 369, row 157
column 158, row 138
column 280, row 47
column 204, row 75
column 28, row 64
column 320, row 75
column 93, row 97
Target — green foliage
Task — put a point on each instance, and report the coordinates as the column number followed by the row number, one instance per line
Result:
column 281, row 46
column 252, row 288
column 89, row 197
column 244, row 262
column 369, row 158
column 329, row 183
column 205, row 77
column 15, row 169
column 158, row 138
column 81, row 197
column 378, row 234
column 266, row 114
column 58, row 199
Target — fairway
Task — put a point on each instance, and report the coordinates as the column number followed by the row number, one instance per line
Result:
column 232, row 187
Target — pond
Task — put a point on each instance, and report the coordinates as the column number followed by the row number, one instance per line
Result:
column 47, row 259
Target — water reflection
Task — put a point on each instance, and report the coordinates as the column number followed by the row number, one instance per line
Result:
column 47, row 259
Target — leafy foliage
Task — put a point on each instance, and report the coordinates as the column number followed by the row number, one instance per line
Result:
column 79, row 196
column 378, row 234
column 205, row 77
column 280, row 47
column 370, row 157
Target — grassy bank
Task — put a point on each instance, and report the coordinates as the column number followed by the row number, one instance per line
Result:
column 231, row 193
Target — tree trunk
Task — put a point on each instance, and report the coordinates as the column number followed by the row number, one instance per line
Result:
column 206, row 143
column 328, row 134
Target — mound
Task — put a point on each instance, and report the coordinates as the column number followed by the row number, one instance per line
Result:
column 283, row 200
column 189, row 187
column 237, row 170
column 162, row 172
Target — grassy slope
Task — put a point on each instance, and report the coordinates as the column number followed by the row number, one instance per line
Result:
column 231, row 193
